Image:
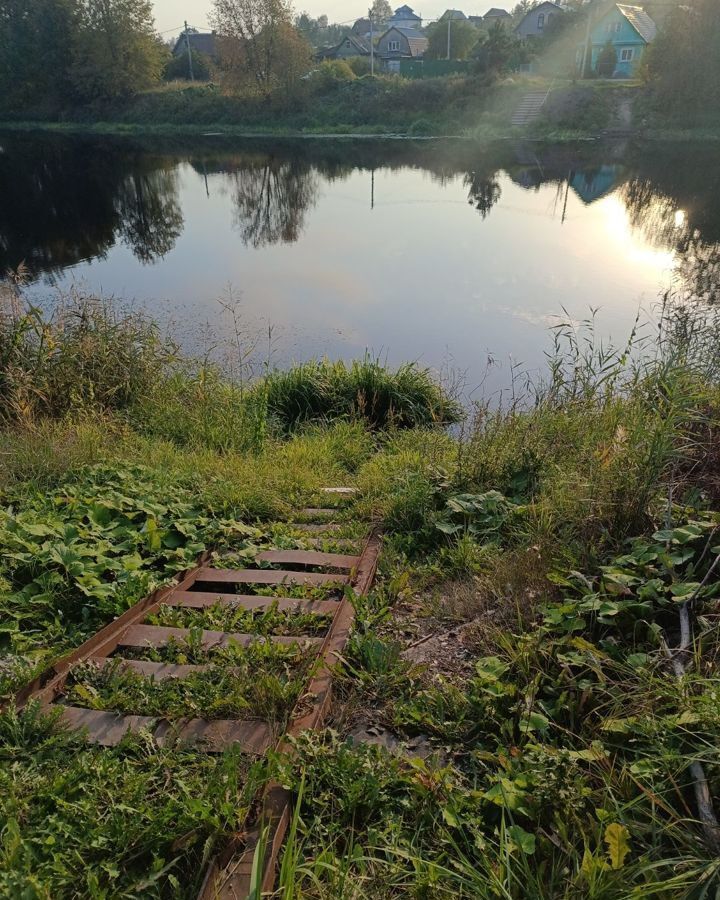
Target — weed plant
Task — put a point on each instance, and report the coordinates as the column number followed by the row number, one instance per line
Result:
column 215, row 693
column 134, row 820
column 221, row 617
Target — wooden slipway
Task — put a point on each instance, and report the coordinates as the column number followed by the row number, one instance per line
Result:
column 336, row 576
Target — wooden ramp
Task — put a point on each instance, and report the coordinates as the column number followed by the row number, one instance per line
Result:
column 332, row 579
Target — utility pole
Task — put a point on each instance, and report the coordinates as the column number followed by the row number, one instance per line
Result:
column 585, row 63
column 189, row 52
column 450, row 16
column 372, row 45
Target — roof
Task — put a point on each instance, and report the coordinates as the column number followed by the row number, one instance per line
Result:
column 361, row 45
column 199, row 43
column 496, row 13
column 537, row 8
column 640, row 21
column 452, row 14
column 405, row 12
column 417, row 41
column 361, row 26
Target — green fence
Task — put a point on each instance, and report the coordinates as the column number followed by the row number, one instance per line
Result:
column 433, row 68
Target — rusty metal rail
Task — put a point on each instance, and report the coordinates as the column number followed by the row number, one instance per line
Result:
column 201, row 588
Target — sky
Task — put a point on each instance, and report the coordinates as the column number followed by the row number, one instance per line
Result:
column 170, row 14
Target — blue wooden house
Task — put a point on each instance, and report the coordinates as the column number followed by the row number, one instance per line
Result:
column 630, row 30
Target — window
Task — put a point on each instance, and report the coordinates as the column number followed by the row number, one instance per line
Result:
column 627, row 54
column 541, row 21
column 613, row 27
column 393, row 46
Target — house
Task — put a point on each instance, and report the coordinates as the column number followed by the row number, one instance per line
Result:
column 400, row 43
column 457, row 15
column 534, row 23
column 404, row 17
column 361, row 27
column 630, row 30
column 496, row 15
column 349, row 47
column 204, row 44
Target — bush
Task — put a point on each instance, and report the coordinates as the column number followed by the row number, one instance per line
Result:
column 607, row 61
column 367, row 391
column 329, row 75
column 178, row 69
column 360, row 65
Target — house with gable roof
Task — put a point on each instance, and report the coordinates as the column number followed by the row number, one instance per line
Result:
column 629, row 30
column 405, row 17
column 496, row 15
column 399, row 43
column 536, row 20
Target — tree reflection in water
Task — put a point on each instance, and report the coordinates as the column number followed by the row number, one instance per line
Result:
column 682, row 217
column 149, row 212
column 272, row 197
column 67, row 200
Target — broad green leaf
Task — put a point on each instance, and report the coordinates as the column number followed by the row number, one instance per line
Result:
column 618, row 844
column 522, row 839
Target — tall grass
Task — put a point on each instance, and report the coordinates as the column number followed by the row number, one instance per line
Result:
column 88, row 356
column 408, row 397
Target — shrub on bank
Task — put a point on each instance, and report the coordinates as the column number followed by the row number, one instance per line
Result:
column 365, row 390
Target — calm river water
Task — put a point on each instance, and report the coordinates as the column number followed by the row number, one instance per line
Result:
column 444, row 253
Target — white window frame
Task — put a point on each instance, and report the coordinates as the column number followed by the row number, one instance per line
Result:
column 541, row 22
column 627, row 54
column 393, row 46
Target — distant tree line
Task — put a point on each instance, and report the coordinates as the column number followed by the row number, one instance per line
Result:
column 57, row 52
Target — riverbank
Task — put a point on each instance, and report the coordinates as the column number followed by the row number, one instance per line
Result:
column 390, row 109
column 508, row 718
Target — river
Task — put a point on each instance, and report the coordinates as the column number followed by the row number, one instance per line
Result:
column 457, row 256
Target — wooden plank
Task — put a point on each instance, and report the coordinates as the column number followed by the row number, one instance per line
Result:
column 215, row 735
column 308, row 558
column 204, row 599
column 313, row 512
column 105, row 728
column 341, row 491
column 160, row 636
column 267, row 576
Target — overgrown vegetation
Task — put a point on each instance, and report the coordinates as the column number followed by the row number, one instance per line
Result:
column 537, row 657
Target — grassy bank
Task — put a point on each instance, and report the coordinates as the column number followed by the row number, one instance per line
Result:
column 386, row 107
column 513, row 718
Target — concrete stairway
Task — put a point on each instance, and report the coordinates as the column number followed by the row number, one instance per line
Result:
column 529, row 108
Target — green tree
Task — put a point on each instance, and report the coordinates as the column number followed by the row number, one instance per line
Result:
column 606, row 61
column 463, row 37
column 260, row 49
column 683, row 65
column 34, row 61
column 116, row 51
column 381, row 11
column 499, row 50
column 177, row 68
